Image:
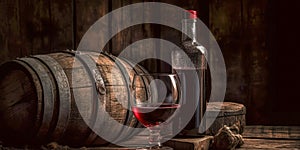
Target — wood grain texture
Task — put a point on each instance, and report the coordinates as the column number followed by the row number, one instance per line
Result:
column 272, row 132
column 225, row 24
column 123, row 39
column 254, row 22
column 190, row 143
column 126, row 38
column 230, row 114
column 24, row 30
column 87, row 13
column 251, row 142
column 270, row 144
column 33, row 27
column 240, row 29
column 271, row 137
column 184, row 143
column 9, row 29
column 57, row 99
column 22, row 95
column 60, row 13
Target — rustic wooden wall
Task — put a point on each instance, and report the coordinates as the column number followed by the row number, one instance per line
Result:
column 259, row 39
column 240, row 29
column 31, row 27
column 244, row 29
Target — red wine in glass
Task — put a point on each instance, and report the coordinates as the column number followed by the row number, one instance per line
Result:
column 153, row 114
column 155, row 100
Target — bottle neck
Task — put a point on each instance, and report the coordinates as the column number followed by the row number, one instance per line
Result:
column 189, row 30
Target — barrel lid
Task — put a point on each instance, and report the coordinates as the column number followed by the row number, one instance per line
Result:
column 225, row 108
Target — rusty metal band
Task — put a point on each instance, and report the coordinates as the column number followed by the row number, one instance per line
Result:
column 130, row 113
column 126, row 77
column 99, row 90
column 48, row 95
column 63, row 92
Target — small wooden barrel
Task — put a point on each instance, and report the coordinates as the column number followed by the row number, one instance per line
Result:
column 46, row 98
column 229, row 114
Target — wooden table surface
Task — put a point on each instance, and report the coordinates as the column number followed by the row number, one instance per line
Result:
column 271, row 137
column 256, row 137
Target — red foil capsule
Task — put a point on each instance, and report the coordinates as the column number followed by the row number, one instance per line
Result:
column 193, row 14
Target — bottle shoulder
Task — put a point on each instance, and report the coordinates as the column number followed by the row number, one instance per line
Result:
column 190, row 46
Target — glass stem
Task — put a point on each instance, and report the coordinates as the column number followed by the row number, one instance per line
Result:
column 154, row 137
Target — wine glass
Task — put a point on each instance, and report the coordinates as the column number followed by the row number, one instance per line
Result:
column 155, row 99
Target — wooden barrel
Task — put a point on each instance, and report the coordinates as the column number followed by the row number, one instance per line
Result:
column 228, row 113
column 46, row 98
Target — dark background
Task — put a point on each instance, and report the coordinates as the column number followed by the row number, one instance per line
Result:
column 258, row 38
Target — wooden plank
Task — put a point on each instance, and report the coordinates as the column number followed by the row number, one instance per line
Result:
column 9, row 29
column 35, row 24
column 255, row 137
column 137, row 33
column 123, row 38
column 270, row 144
column 194, row 143
column 61, row 24
column 144, row 31
column 225, row 24
column 190, row 143
column 34, row 27
column 276, row 132
column 87, row 13
column 169, row 34
column 254, row 24
column 232, row 23
column 271, row 137
column 199, row 143
column 24, row 28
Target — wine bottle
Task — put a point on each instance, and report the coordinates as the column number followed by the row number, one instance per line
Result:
column 193, row 89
